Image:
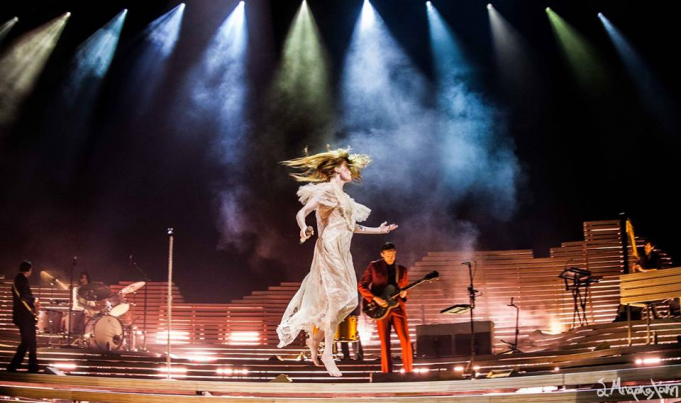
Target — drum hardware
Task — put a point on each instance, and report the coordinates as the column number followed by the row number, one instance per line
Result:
column 144, row 321
column 346, row 334
column 130, row 332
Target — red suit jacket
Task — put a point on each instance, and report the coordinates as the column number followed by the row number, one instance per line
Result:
column 375, row 279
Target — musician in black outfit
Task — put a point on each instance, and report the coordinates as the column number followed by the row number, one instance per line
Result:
column 649, row 260
column 24, row 316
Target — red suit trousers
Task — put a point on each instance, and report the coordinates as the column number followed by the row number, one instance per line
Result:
column 397, row 318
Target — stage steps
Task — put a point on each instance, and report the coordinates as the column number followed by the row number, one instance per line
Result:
column 248, row 324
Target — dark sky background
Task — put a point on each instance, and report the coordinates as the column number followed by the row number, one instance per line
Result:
column 111, row 189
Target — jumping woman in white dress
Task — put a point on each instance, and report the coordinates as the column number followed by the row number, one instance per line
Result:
column 329, row 292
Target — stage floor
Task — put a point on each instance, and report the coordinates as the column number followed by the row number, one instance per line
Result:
column 640, row 383
column 612, row 374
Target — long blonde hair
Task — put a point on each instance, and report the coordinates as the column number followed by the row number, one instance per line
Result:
column 321, row 167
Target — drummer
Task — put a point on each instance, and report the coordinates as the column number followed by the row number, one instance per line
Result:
column 76, row 304
column 80, row 310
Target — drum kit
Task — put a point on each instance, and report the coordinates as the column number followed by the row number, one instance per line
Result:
column 102, row 324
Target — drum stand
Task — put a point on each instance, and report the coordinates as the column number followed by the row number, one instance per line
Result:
column 81, row 340
column 144, row 321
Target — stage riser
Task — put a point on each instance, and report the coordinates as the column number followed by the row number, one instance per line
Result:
column 501, row 275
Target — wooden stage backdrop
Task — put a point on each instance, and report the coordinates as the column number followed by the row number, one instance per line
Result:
column 250, row 322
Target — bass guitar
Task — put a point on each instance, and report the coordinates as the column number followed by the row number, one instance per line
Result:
column 390, row 294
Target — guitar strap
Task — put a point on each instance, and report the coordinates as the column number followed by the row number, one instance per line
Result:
column 14, row 287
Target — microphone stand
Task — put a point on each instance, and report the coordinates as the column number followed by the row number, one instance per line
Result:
column 68, row 322
column 471, row 298
column 513, row 347
column 144, row 314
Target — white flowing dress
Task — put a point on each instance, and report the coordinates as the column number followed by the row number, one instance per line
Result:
column 329, row 291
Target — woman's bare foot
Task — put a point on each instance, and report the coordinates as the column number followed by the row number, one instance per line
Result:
column 314, row 350
column 330, row 365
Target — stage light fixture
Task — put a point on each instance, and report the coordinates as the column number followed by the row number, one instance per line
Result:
column 548, row 9
column 489, row 6
column 173, row 370
column 458, row 369
column 649, row 361
column 429, row 4
column 600, row 15
column 64, row 366
column 201, row 357
column 244, row 338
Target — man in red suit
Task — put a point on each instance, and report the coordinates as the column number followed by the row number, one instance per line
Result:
column 377, row 276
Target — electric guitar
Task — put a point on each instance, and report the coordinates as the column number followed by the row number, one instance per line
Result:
column 35, row 310
column 390, row 294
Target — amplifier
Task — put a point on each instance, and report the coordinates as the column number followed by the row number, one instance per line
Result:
column 454, row 339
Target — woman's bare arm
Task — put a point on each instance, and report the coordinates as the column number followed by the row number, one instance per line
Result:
column 309, row 207
column 384, row 228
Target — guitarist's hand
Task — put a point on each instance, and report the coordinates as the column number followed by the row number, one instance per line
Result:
column 381, row 302
column 403, row 294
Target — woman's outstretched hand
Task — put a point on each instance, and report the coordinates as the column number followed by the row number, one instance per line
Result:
column 385, row 228
column 305, row 234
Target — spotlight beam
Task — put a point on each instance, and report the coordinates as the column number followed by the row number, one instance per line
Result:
column 6, row 27
column 656, row 98
column 466, row 146
column 587, row 66
column 302, row 83
column 92, row 60
column 21, row 65
column 513, row 56
column 218, row 90
column 150, row 61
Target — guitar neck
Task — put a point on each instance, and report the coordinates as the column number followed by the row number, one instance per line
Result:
column 408, row 287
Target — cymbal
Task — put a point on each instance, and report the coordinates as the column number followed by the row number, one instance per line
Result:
column 46, row 276
column 94, row 292
column 52, row 279
column 132, row 287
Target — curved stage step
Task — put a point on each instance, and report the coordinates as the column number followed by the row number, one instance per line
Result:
column 564, row 387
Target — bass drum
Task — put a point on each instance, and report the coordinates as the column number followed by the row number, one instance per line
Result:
column 347, row 329
column 104, row 333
